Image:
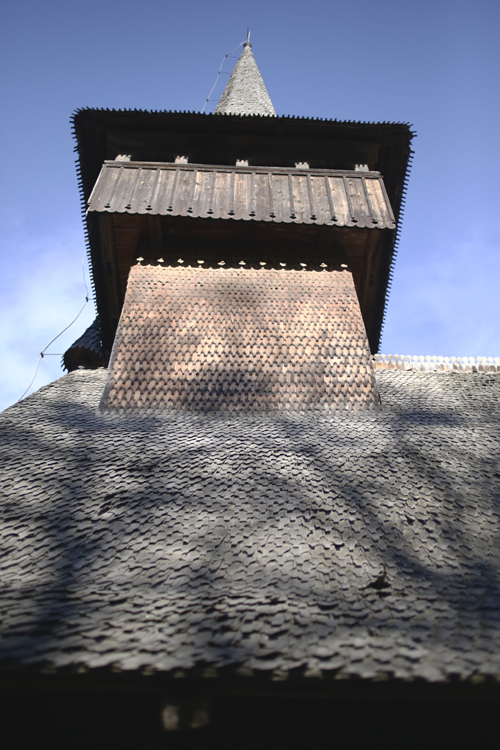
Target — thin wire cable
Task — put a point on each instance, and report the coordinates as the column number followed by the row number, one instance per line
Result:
column 219, row 72
column 65, row 329
column 83, row 274
column 42, row 353
column 32, row 380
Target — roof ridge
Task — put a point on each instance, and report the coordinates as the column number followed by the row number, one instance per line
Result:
column 79, row 111
column 429, row 363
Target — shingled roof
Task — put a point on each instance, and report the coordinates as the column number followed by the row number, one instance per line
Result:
column 86, row 351
column 245, row 92
column 241, row 496
column 358, row 545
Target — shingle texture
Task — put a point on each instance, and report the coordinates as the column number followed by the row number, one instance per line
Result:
column 240, row 340
column 86, row 350
column 183, row 539
column 245, row 93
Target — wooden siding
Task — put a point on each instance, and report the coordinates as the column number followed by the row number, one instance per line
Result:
column 323, row 197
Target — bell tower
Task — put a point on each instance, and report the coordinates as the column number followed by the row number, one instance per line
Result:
column 241, row 259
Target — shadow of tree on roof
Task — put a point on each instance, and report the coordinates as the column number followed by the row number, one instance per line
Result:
column 181, row 539
column 251, row 342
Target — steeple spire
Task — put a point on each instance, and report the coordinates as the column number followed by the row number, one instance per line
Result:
column 245, row 93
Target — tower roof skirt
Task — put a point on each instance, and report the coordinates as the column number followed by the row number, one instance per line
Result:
column 245, row 93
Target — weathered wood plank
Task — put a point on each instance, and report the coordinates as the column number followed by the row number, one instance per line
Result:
column 143, row 190
column 261, row 196
column 183, row 192
column 282, row 208
column 341, row 198
column 163, row 194
column 301, row 198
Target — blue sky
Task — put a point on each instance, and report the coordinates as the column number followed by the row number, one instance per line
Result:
column 433, row 64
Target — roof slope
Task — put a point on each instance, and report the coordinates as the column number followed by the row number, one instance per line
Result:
column 245, row 92
column 86, row 351
column 238, row 540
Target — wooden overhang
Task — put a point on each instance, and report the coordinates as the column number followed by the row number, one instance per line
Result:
column 299, row 196
column 332, row 149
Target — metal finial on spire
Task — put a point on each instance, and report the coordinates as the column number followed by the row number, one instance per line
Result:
column 248, row 38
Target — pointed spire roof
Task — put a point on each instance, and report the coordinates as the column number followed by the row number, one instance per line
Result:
column 245, row 93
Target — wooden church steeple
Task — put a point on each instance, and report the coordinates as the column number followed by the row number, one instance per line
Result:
column 255, row 192
column 246, row 92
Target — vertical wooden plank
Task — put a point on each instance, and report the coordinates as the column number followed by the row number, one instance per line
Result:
column 373, row 218
column 281, row 197
column 161, row 197
column 377, row 202
column 271, row 195
column 194, row 178
column 358, row 201
column 123, row 190
column 290, row 193
column 312, row 209
column 252, row 195
column 134, row 177
column 154, row 190
column 261, row 196
column 331, row 204
column 183, row 191
column 172, row 198
column 203, row 192
column 339, row 200
column 231, row 195
column 348, row 198
column 321, row 203
column 211, row 200
column 102, row 193
column 220, row 204
column 143, row 190
column 301, row 198
column 242, row 195
column 387, row 201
